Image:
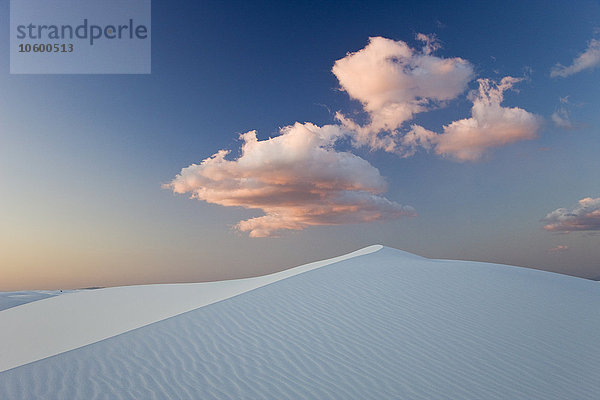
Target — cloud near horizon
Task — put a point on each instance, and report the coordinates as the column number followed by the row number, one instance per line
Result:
column 585, row 216
column 490, row 125
column 558, row 249
column 297, row 179
column 590, row 58
column 393, row 82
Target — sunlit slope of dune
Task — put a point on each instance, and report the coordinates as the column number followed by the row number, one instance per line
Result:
column 384, row 325
column 44, row 328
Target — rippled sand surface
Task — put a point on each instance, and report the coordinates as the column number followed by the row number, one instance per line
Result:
column 385, row 325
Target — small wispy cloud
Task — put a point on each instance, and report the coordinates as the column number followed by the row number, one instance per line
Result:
column 590, row 58
column 562, row 119
column 297, row 179
column 431, row 43
column 558, row 249
column 585, row 216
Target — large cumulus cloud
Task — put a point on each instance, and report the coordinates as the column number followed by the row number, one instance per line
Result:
column 300, row 178
column 394, row 82
column 297, row 179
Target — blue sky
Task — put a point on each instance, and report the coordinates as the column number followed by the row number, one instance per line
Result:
column 83, row 158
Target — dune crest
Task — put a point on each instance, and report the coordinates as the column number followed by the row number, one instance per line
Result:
column 383, row 325
column 51, row 326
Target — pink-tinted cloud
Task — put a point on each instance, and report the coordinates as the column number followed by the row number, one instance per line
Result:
column 558, row 249
column 417, row 137
column 491, row 125
column 394, row 82
column 590, row 58
column 297, row 179
column 585, row 216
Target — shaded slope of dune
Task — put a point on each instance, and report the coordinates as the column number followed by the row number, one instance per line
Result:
column 386, row 325
column 14, row 299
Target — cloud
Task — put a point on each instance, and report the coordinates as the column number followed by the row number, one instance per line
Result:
column 590, row 58
column 585, row 216
column 558, row 249
column 297, row 179
column 394, row 82
column 561, row 118
column 430, row 43
column 490, row 125
column 417, row 137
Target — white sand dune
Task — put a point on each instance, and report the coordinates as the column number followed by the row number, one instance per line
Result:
column 13, row 299
column 41, row 329
column 376, row 324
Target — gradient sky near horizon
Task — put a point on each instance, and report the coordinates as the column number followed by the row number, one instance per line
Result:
column 414, row 142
